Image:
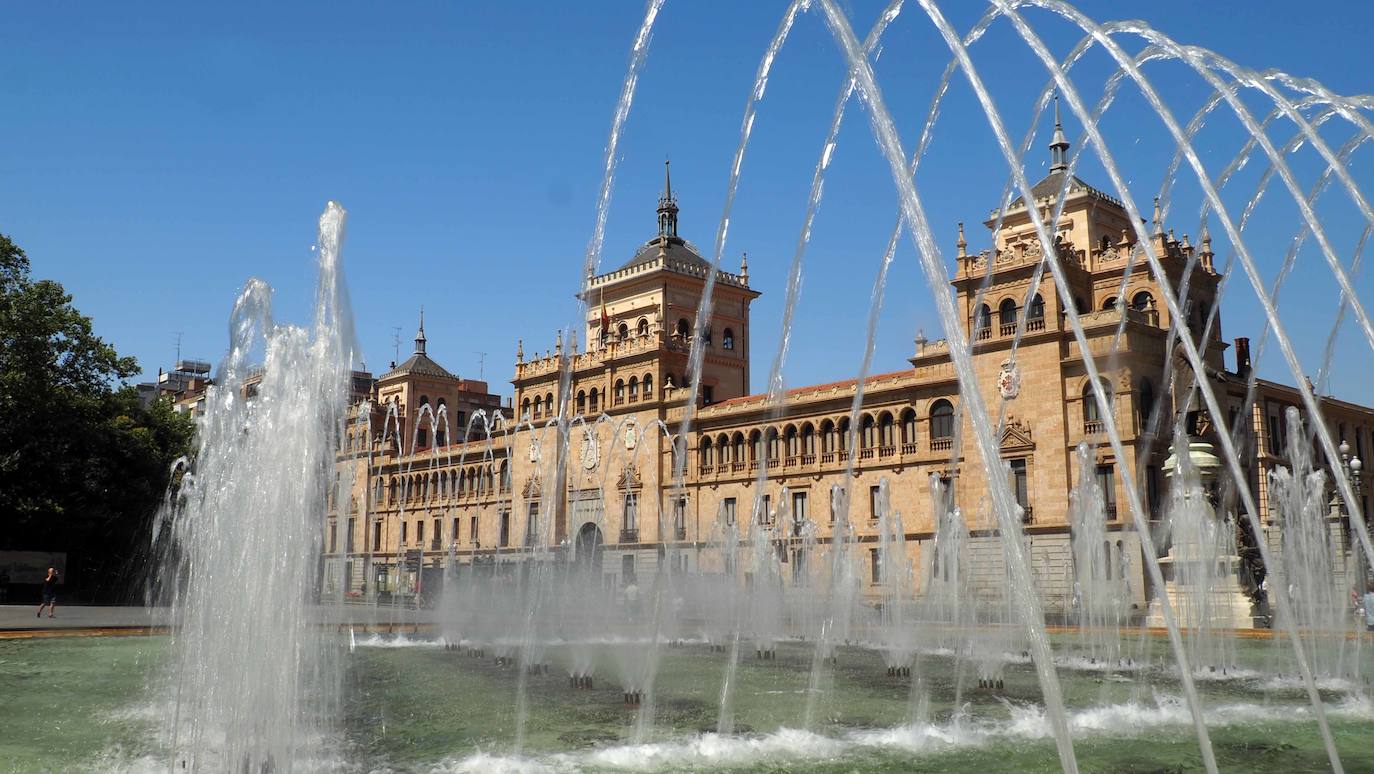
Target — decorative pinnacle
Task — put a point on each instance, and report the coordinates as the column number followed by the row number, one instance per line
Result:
column 744, row 267
column 519, row 350
column 1158, row 219
column 1059, row 144
column 1206, row 238
column 962, row 244
column 558, row 342
column 420, row 335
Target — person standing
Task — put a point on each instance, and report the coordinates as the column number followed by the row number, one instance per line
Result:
column 49, row 593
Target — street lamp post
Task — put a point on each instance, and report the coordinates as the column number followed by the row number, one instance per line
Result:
column 1352, row 468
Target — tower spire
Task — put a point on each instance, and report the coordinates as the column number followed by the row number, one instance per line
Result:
column 420, row 336
column 962, row 244
column 667, row 206
column 1059, row 144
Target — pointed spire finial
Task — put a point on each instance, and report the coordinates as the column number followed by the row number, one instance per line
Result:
column 667, row 208
column 962, row 244
column 744, row 267
column 1159, row 219
column 1059, row 144
column 420, row 335
column 558, row 343
column 519, row 350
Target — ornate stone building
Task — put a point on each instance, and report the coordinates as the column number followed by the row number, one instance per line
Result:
column 606, row 496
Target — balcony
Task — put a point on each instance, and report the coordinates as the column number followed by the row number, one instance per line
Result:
column 629, row 535
column 908, row 448
column 790, row 462
column 827, row 458
column 737, row 467
column 1006, row 329
column 705, row 469
column 866, row 454
column 982, row 334
column 886, row 451
column 1035, row 324
column 942, row 444
column 808, row 459
column 1093, row 426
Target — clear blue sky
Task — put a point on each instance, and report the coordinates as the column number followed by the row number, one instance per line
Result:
column 154, row 157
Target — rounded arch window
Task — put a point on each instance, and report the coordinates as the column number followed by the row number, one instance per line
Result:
column 643, row 327
column 684, row 328
column 727, row 338
column 942, row 419
column 581, row 401
column 1006, row 312
column 648, row 386
column 1109, row 303
column 1091, row 411
column 424, row 400
column 623, row 331
column 1142, row 301
column 1145, row 401
column 982, row 319
column 634, row 388
column 619, row 391
column 1037, row 308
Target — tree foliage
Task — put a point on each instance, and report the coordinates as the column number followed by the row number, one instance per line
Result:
column 82, row 464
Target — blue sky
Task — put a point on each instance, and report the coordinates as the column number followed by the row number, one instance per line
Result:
column 153, row 159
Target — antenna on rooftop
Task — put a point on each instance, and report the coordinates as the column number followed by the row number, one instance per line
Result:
column 481, row 365
column 178, row 335
column 396, row 343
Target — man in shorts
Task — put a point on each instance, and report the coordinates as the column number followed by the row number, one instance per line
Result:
column 49, row 593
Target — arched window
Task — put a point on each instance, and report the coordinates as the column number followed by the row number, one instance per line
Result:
column 592, row 401
column 643, row 328
column 684, row 329
column 828, row 442
column 619, row 391
column 773, row 444
column 942, row 420
column 505, row 476
column 1142, row 301
column 706, row 458
column 909, row 427
column 548, row 404
column 755, row 446
column 1145, row 403
column 723, row 448
column 391, row 491
column 424, row 400
column 808, row 439
column 791, row 442
column 867, row 439
column 842, row 434
column 581, row 401
column 1109, row 303
column 440, row 403
column 1037, row 309
column 885, row 431
column 982, row 322
column 622, row 332
column 1092, row 415
column 634, row 388
column 727, row 339
column 525, row 409
column 648, row 386
column 1006, row 316
column 737, row 452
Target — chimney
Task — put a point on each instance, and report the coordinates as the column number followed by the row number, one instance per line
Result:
column 1243, row 356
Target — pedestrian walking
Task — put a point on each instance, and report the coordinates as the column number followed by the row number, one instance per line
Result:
column 49, row 593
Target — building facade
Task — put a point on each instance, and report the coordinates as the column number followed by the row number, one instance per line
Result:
column 422, row 496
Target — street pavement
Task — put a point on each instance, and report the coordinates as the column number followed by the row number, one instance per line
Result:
column 22, row 617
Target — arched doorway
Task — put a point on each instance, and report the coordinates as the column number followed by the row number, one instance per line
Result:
column 588, row 547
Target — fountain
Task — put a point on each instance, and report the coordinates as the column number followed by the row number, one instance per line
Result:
column 649, row 605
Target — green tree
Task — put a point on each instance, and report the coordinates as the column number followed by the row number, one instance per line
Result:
column 83, row 465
